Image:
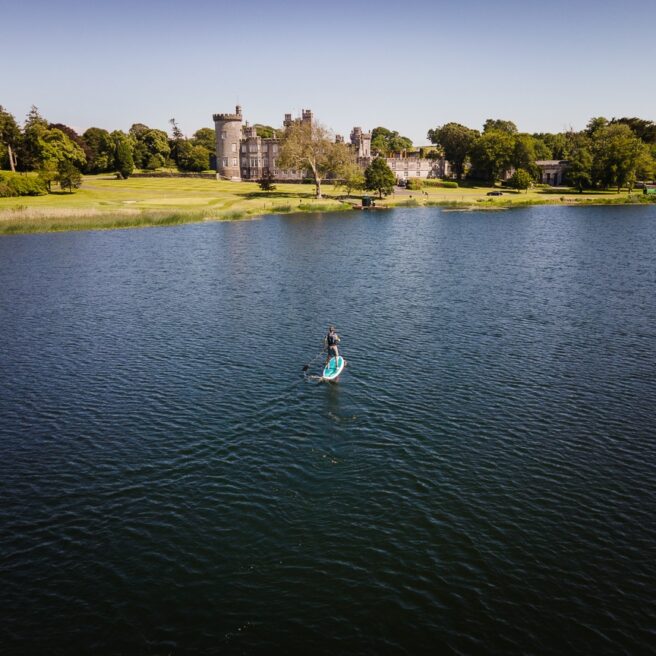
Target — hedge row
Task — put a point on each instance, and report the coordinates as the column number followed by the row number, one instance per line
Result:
column 17, row 184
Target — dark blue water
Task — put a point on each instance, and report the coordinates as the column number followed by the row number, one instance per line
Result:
column 482, row 479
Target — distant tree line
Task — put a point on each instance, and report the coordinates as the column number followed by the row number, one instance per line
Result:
column 59, row 154
column 607, row 154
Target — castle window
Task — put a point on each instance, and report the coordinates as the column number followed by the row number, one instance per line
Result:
column 243, row 172
column 275, row 148
column 223, row 134
column 234, row 147
column 225, row 161
column 253, row 148
column 243, row 148
column 234, row 161
column 265, row 162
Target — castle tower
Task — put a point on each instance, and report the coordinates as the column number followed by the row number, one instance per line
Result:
column 228, row 137
column 361, row 142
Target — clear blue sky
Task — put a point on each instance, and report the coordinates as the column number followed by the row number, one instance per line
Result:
column 408, row 66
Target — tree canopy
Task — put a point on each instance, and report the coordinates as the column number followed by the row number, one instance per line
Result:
column 388, row 142
column 310, row 146
column 379, row 177
column 456, row 141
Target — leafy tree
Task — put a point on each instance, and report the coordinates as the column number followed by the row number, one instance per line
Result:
column 73, row 136
column 524, row 155
column 352, row 177
column 176, row 139
column 617, row 155
column 379, row 177
column 123, row 161
column 387, row 142
column 497, row 124
column 205, row 137
column 57, row 146
column 644, row 130
column 520, row 179
column 552, row 146
column 100, row 151
column 579, row 169
column 266, row 182
column 154, row 162
column 456, row 140
column 595, row 124
column 492, row 154
column 265, row 131
column 309, row 146
column 9, row 138
column 48, row 173
column 193, row 158
column 33, row 131
column 68, row 176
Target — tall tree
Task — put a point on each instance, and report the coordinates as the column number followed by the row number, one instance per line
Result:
column 579, row 170
column 123, row 161
column 32, row 143
column 9, row 137
column 388, row 142
column 68, row 176
column 617, row 155
column 310, row 146
column 497, row 124
column 456, row 140
column 100, row 148
column 492, row 154
column 205, row 137
column 379, row 177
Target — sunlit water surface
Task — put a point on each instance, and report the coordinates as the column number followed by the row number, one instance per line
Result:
column 482, row 479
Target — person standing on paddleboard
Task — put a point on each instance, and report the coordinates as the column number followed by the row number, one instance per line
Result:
column 331, row 340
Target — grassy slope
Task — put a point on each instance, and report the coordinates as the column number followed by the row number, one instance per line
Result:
column 104, row 202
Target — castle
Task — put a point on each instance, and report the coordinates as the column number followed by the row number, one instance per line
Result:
column 242, row 155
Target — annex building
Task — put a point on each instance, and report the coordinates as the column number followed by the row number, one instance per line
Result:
column 243, row 155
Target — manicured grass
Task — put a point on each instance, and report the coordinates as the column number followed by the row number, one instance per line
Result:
column 103, row 202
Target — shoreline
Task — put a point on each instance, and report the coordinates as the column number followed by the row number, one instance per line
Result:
column 104, row 203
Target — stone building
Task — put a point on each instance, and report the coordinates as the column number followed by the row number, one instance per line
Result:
column 552, row 171
column 242, row 155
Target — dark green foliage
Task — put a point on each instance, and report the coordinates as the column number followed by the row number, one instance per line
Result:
column 379, row 177
column 100, row 151
column 16, row 184
column 498, row 124
column 123, row 161
column 520, row 179
column 192, row 158
column 387, row 142
column 414, row 184
column 457, row 141
column 9, row 139
column 68, row 176
column 205, row 137
column 265, row 131
column 266, row 182
column 492, row 154
column 445, row 184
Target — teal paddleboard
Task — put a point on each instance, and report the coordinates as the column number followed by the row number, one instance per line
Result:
column 333, row 368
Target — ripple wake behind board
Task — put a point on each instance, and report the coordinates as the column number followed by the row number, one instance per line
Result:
column 334, row 367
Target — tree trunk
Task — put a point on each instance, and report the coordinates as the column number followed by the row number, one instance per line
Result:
column 12, row 158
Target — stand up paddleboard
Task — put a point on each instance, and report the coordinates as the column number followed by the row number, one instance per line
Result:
column 333, row 368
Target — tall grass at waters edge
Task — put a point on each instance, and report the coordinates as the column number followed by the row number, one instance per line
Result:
column 25, row 220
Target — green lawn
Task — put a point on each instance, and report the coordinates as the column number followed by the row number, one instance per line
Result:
column 105, row 202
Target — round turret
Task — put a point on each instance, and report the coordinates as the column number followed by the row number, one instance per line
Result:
column 228, row 136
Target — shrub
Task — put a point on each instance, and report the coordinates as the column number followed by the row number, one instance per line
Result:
column 414, row 184
column 16, row 184
column 446, row 184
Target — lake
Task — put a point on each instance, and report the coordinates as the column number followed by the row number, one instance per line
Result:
column 481, row 480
